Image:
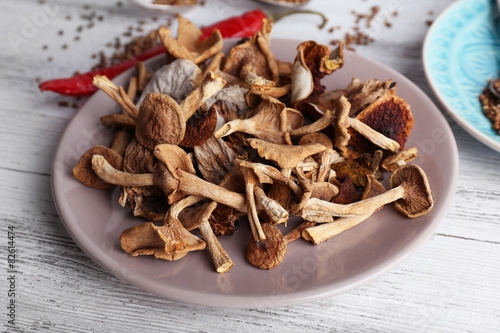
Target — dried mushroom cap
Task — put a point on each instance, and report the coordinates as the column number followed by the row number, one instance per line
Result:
column 268, row 253
column 83, row 169
column 188, row 45
column 391, row 116
column 285, row 156
column 199, row 128
column 162, row 120
column 253, row 61
column 176, row 80
column 157, row 113
column 417, row 199
column 266, row 124
column 323, row 190
column 312, row 63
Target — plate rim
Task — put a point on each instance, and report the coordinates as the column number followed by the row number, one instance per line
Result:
column 321, row 292
column 473, row 131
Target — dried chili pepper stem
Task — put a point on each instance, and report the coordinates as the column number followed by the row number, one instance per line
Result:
column 278, row 16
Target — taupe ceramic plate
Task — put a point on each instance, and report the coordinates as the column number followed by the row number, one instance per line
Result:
column 308, row 272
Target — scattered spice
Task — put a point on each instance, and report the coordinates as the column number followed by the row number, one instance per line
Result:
column 45, row 47
column 63, row 104
column 60, row 32
column 65, row 46
column 74, row 106
column 429, row 22
column 39, row 79
column 357, row 35
column 50, row 59
column 491, row 103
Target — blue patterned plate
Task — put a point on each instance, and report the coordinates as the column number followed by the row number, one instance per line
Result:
column 461, row 53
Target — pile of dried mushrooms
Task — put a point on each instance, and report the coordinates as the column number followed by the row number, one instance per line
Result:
column 212, row 137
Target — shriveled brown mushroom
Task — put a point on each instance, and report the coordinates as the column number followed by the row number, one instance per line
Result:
column 171, row 240
column 316, row 126
column 286, row 156
column 253, row 61
column 270, row 252
column 188, row 45
column 313, row 62
column 266, row 124
column 83, row 169
column 344, row 122
column 162, row 120
column 409, row 190
column 390, row 116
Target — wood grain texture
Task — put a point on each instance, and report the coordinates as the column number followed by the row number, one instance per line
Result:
column 450, row 285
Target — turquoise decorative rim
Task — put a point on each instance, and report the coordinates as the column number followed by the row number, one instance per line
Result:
column 461, row 53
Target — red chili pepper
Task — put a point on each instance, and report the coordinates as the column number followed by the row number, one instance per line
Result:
column 81, row 85
column 250, row 22
column 233, row 27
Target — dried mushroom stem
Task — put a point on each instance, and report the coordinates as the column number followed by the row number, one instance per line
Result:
column 186, row 182
column 375, row 137
column 117, row 94
column 211, row 84
column 406, row 155
column 316, row 126
column 342, row 136
column 316, row 207
column 323, row 232
column 109, row 174
column 221, row 259
column 251, row 180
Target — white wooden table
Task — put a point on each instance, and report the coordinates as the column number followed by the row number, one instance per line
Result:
column 451, row 284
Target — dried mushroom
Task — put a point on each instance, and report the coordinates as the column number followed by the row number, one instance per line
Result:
column 391, row 116
column 83, row 169
column 312, row 63
column 188, row 44
column 163, row 120
column 266, row 124
column 253, row 61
